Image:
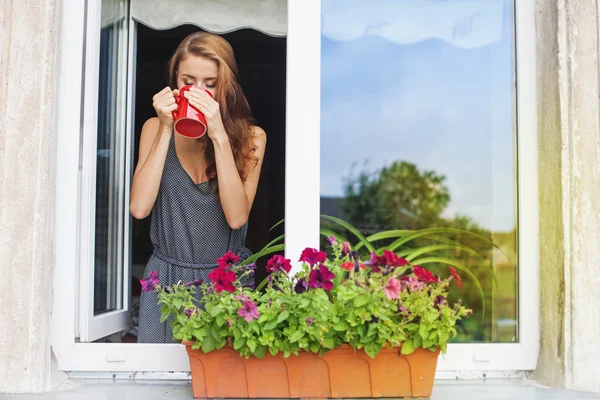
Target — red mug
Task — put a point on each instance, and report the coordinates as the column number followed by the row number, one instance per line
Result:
column 187, row 120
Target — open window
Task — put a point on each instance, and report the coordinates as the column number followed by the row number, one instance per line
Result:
column 315, row 74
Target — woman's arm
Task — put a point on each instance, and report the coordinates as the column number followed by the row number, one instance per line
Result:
column 154, row 144
column 237, row 197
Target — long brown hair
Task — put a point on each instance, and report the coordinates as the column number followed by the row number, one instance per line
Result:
column 235, row 110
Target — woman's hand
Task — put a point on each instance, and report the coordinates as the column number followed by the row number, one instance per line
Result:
column 164, row 104
column 210, row 108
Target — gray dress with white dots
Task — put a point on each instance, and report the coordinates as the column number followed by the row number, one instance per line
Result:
column 189, row 232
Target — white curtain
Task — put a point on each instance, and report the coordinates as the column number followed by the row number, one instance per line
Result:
column 113, row 11
column 217, row 16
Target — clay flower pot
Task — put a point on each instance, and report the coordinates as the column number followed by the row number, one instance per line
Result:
column 340, row 373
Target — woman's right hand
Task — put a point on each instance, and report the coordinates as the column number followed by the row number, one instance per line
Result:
column 164, row 104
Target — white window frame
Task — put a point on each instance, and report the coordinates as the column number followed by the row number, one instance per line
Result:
column 301, row 202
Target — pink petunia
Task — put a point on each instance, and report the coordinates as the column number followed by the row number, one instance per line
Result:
column 411, row 282
column 392, row 289
column 249, row 311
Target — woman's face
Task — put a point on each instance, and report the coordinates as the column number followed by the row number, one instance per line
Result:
column 198, row 71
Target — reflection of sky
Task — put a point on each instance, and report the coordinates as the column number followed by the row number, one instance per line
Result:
column 441, row 107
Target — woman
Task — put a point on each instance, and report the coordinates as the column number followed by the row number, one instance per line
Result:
column 200, row 191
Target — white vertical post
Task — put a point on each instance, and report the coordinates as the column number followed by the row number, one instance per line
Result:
column 303, row 125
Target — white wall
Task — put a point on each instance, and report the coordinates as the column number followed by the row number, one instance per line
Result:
column 28, row 71
column 569, row 137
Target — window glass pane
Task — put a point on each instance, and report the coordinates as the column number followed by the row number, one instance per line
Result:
column 418, row 131
column 108, row 275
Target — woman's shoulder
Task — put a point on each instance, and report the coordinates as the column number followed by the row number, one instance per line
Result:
column 259, row 135
column 151, row 123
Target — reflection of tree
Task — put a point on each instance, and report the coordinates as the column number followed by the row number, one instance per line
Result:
column 400, row 196
column 396, row 196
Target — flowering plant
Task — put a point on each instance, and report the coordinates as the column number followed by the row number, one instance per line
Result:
column 366, row 302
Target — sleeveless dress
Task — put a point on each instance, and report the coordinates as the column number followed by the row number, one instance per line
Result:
column 189, row 232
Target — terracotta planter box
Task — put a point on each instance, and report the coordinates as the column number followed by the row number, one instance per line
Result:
column 340, row 373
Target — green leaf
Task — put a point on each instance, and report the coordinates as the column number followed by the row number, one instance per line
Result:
column 283, row 316
column 215, row 332
column 414, row 253
column 314, row 347
column 360, row 301
column 329, row 233
column 304, row 302
column 372, row 349
column 200, row 334
column 260, row 351
column 220, row 321
column 269, row 326
column 296, row 336
column 407, row 347
column 367, row 339
column 424, row 331
column 208, row 344
column 341, row 326
column 264, row 251
column 329, row 343
column 251, row 343
column 391, row 234
column 164, row 314
column 239, row 342
column 352, row 229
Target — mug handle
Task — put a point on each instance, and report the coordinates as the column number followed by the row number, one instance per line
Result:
column 176, row 102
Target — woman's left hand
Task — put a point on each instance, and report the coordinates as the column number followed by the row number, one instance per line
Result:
column 210, row 108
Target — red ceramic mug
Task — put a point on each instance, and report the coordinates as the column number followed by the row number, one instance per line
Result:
column 187, row 120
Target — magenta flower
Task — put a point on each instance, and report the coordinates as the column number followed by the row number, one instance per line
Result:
column 189, row 312
column 392, row 289
column 391, row 259
column 375, row 262
column 222, row 279
column 150, row 283
column 424, row 275
column 321, row 278
column 228, row 259
column 331, row 240
column 309, row 321
column 279, row 263
column 249, row 311
column 313, row 256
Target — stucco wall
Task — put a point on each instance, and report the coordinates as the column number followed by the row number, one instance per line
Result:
column 569, row 156
column 28, row 43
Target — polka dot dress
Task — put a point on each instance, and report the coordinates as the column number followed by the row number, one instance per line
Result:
column 189, row 232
